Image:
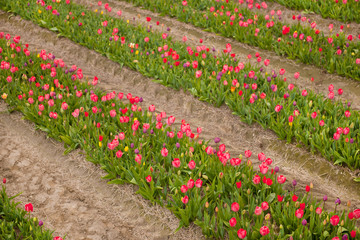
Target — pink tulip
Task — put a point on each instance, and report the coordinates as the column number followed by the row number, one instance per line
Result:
column 185, row 199
column 232, row 222
column 176, row 163
column 296, row 75
column 264, row 230
column 235, row 207
column 192, row 164
column 242, row 233
column 198, row 183
column 299, row 213
column 265, row 206
column 281, row 179
column 334, row 220
column 256, row 179
column 164, row 152
column 190, row 184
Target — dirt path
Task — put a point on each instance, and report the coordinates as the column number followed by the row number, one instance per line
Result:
column 350, row 87
column 217, row 122
column 68, row 194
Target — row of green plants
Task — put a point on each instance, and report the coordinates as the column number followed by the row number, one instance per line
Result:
column 342, row 10
column 198, row 181
column 335, row 53
column 17, row 223
column 324, row 125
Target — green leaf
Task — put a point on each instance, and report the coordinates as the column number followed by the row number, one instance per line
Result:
column 116, row 181
column 357, row 179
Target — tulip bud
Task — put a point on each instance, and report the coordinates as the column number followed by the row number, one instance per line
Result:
column 267, row 217
column 324, row 223
column 349, row 203
column 243, row 212
column 311, row 185
column 207, row 204
column 199, row 174
column 240, row 156
column 216, row 209
column 207, row 188
column 205, row 177
column 34, row 219
column 248, row 191
column 287, row 204
column 176, row 191
column 297, row 204
column 249, row 163
column 179, row 172
column 203, row 147
column 281, row 226
column 221, row 175
column 225, row 205
column 311, row 208
column 342, row 223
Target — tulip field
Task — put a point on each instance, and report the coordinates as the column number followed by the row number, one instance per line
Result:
column 220, row 138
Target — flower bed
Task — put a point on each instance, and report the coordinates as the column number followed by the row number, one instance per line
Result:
column 16, row 223
column 336, row 53
column 294, row 114
column 197, row 182
column 342, row 10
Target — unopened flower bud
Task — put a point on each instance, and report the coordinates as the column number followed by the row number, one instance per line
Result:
column 216, row 209
column 207, row 204
column 248, row 191
column 267, row 217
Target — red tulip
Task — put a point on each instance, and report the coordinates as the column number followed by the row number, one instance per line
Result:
column 198, row 183
column 148, row 178
column 334, row 220
column 190, row 183
column 264, row 206
column 318, row 210
column 242, row 233
column 176, row 163
column 256, row 179
column 192, row 164
column 29, row 207
column 185, row 199
column 4, row 180
column 280, row 198
column 281, row 179
column 148, row 19
column 235, row 207
column 264, row 230
column 183, row 188
column 238, row 184
column 353, row 233
column 299, row 213
column 258, row 210
column 232, row 222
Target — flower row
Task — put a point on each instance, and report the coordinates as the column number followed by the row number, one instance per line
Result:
column 198, row 182
column 294, row 114
column 336, row 53
column 342, row 10
column 15, row 223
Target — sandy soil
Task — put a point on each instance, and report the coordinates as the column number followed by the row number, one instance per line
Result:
column 137, row 15
column 72, row 198
column 68, row 194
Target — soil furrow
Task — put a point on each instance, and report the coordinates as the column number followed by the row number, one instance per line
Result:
column 295, row 163
column 136, row 15
column 68, row 194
